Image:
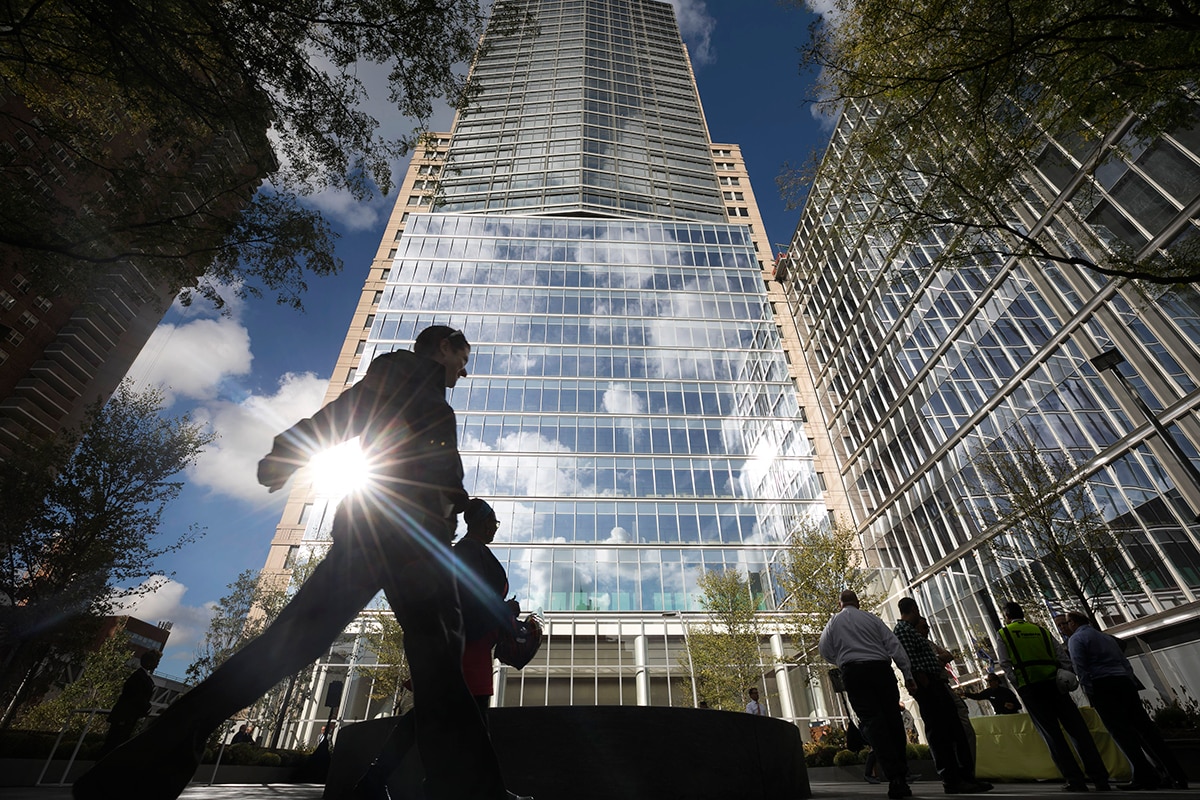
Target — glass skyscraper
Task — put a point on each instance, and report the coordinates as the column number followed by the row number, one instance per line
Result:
column 919, row 371
column 629, row 411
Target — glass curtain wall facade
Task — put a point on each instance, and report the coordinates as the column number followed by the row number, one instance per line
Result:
column 597, row 114
column 629, row 412
column 920, row 371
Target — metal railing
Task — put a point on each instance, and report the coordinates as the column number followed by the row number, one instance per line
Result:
column 62, row 781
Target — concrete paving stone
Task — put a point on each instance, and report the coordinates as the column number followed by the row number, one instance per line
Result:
column 821, row 791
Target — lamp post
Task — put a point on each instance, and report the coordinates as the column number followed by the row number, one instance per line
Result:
column 687, row 644
column 1109, row 360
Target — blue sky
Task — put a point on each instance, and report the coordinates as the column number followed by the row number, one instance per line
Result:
column 259, row 369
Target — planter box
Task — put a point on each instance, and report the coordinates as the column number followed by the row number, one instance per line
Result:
column 1187, row 750
column 25, row 772
column 606, row 752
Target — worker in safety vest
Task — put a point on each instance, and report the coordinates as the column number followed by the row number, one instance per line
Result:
column 1031, row 662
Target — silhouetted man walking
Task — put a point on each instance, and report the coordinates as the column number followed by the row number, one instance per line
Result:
column 394, row 535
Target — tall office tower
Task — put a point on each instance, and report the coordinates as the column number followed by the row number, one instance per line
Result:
column 922, row 374
column 629, row 411
column 59, row 354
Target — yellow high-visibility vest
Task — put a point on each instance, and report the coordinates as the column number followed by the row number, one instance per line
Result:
column 1031, row 651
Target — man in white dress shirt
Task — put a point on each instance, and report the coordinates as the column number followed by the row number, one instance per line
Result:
column 863, row 648
column 754, row 707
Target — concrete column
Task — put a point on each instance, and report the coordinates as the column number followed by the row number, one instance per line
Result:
column 642, row 675
column 499, row 675
column 816, row 692
column 787, row 709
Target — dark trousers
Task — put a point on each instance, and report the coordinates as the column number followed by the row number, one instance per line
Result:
column 1116, row 701
column 119, row 731
column 397, row 747
column 875, row 697
column 947, row 738
column 414, row 571
column 1050, row 708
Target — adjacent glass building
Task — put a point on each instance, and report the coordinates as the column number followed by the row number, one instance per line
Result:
column 629, row 411
column 919, row 371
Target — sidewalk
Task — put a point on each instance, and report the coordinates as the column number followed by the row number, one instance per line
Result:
column 821, row 791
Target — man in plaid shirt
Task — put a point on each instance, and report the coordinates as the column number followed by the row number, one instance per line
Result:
column 947, row 739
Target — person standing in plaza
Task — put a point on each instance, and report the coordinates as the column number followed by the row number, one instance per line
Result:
column 863, row 648
column 1003, row 700
column 134, row 701
column 1108, row 680
column 946, row 658
column 947, row 740
column 393, row 535
column 244, row 735
column 1030, row 661
column 754, row 706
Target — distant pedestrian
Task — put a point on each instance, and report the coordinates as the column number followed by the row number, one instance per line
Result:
column 1030, row 660
column 244, row 735
column 1108, row 680
column 1003, row 699
column 133, row 703
column 754, row 707
column 863, row 648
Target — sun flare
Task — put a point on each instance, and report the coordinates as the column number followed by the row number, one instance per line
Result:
column 339, row 470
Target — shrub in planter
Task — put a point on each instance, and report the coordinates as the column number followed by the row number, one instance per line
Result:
column 1177, row 716
column 846, row 758
column 835, row 738
column 917, row 752
column 820, row 756
column 21, row 743
column 254, row 756
column 26, row 744
column 242, row 755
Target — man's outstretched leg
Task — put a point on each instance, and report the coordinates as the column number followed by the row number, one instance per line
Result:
column 165, row 756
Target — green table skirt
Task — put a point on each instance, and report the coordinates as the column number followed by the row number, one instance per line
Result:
column 1009, row 748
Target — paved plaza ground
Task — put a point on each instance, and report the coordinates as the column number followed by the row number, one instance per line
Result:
column 821, row 791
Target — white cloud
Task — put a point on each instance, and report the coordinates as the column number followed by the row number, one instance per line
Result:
column 542, row 475
column 826, row 111
column 247, row 429
column 518, row 364
column 193, row 358
column 618, row 535
column 165, row 604
column 696, row 27
column 339, row 206
column 831, row 9
column 620, row 399
column 344, row 210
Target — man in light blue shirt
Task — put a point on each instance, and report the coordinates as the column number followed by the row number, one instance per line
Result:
column 1093, row 654
column 1107, row 677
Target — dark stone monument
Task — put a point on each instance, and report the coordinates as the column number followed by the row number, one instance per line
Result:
column 612, row 753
